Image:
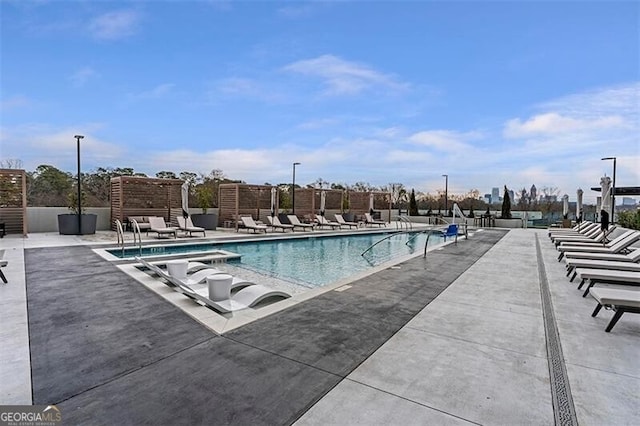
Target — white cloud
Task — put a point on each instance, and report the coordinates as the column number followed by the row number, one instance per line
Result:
column 157, row 92
column 555, row 123
column 115, row 25
column 80, row 77
column 36, row 144
column 244, row 88
column 318, row 124
column 444, row 140
column 343, row 77
column 15, row 102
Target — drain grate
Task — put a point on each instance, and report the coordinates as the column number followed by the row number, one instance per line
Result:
column 563, row 409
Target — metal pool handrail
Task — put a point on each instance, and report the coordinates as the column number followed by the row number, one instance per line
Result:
column 405, row 221
column 381, row 240
column 136, row 230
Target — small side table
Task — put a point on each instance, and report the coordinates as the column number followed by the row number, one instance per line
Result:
column 219, row 287
column 178, row 268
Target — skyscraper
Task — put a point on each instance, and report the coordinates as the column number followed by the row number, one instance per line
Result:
column 495, row 195
column 533, row 193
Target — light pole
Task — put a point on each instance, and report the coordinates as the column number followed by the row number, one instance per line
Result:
column 293, row 189
column 446, row 193
column 613, row 189
column 78, row 137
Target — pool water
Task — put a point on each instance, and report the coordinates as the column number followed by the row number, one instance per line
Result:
column 311, row 261
column 315, row 262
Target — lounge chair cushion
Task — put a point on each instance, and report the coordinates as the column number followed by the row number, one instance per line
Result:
column 614, row 296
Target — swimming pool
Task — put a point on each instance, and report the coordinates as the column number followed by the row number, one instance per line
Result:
column 310, row 261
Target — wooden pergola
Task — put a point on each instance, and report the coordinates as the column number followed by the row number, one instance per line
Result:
column 241, row 199
column 13, row 201
column 143, row 196
column 308, row 200
column 360, row 202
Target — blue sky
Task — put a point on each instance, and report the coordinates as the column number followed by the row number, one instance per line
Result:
column 490, row 93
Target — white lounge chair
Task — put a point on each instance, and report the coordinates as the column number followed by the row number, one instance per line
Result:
column 595, row 235
column 369, row 220
column 242, row 299
column 3, row 263
column 572, row 264
column 617, row 245
column 187, row 225
column 579, row 229
column 322, row 221
column 620, row 299
column 633, row 256
column 296, row 222
column 249, row 223
column 159, row 226
column 200, row 277
column 343, row 222
column 606, row 276
column 275, row 223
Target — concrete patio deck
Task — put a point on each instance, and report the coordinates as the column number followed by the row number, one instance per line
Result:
column 488, row 331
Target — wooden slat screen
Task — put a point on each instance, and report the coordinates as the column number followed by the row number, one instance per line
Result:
column 142, row 196
column 241, row 199
column 13, row 200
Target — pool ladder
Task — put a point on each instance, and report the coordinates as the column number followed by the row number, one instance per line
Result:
column 136, row 231
column 403, row 222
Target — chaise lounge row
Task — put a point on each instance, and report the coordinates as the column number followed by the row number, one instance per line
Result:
column 607, row 262
column 319, row 221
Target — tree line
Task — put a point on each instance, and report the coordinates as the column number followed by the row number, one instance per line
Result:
column 48, row 186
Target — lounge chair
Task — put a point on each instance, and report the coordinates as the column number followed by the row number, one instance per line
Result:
column 296, row 222
column 3, row 263
column 343, row 222
column 193, row 278
column 606, row 276
column 617, row 245
column 158, row 225
column 593, row 236
column 602, row 243
column 275, row 223
column 191, row 266
column 249, row 223
column 242, row 299
column 621, row 300
column 572, row 264
column 322, row 221
column 369, row 220
column 581, row 228
column 187, row 225
column 633, row 256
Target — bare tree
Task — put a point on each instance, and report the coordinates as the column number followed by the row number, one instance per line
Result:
column 11, row 163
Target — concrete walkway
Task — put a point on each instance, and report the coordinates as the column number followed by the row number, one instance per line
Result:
column 459, row 338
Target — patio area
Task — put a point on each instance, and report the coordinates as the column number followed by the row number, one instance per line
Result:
column 486, row 331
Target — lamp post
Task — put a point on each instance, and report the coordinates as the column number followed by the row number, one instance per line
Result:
column 446, row 193
column 293, row 189
column 613, row 189
column 78, row 137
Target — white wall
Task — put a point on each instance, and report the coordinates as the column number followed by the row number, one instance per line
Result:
column 45, row 219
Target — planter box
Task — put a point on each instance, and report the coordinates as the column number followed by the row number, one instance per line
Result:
column 349, row 217
column 208, row 221
column 68, row 224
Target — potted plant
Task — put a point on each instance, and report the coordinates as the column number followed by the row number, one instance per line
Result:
column 68, row 223
column 204, row 197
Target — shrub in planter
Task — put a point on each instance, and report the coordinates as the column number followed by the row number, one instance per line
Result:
column 68, row 223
